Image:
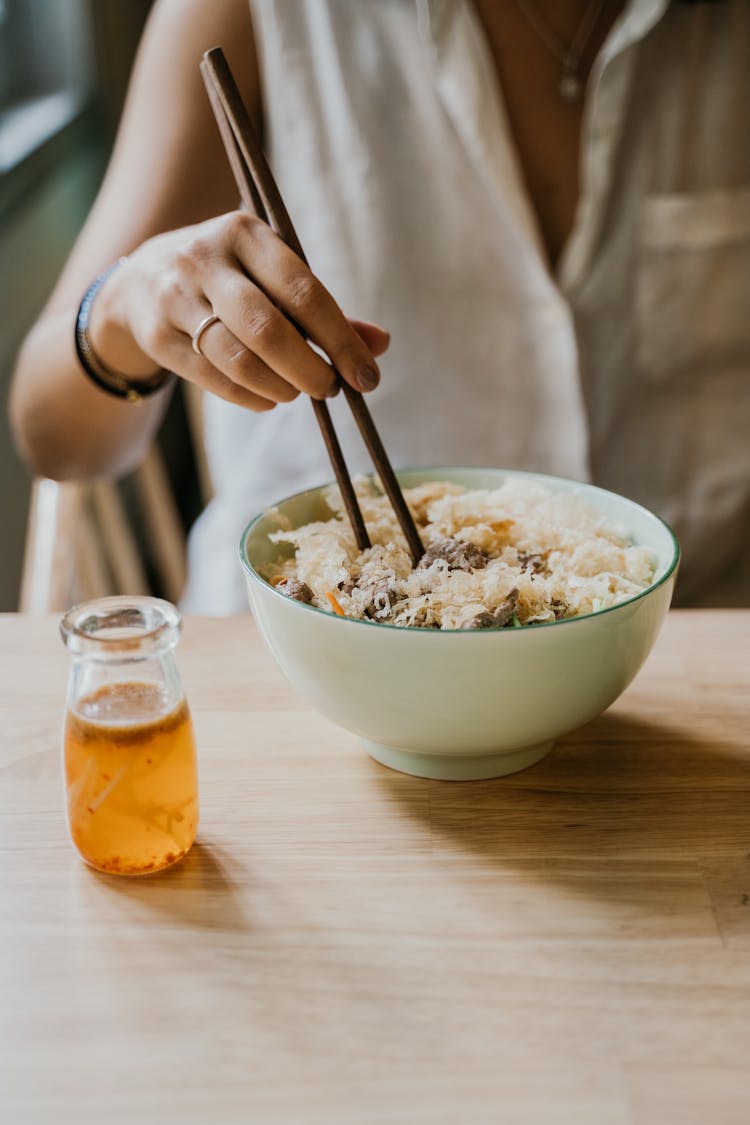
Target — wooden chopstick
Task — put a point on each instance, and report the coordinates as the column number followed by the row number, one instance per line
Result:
column 253, row 202
column 260, row 193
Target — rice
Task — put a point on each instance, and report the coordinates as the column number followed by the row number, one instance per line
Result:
column 515, row 555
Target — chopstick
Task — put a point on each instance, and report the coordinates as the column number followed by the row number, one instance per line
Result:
column 253, row 202
column 259, row 193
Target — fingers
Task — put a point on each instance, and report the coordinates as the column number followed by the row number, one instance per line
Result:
column 218, row 368
column 204, row 375
column 273, row 316
column 224, row 366
column 227, row 355
column 292, row 287
column 263, row 330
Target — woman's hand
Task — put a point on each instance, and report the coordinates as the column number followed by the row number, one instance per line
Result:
column 169, row 173
column 236, row 268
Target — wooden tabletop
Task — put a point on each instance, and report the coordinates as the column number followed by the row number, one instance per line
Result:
column 349, row 945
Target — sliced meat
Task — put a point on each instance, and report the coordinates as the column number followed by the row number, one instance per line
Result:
column 458, row 553
column 482, row 620
column 559, row 608
column 532, row 560
column 297, row 590
column 497, row 618
column 382, row 601
column 503, row 615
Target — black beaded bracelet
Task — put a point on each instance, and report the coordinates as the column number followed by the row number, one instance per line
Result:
column 121, row 386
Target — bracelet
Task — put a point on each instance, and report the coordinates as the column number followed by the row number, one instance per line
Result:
column 121, row 386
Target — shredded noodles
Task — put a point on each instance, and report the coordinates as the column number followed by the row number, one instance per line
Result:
column 514, row 555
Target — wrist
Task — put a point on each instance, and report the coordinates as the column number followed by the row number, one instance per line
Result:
column 123, row 381
column 109, row 332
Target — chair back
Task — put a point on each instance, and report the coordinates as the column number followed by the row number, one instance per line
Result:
column 82, row 543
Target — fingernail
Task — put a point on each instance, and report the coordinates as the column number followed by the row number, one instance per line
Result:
column 367, row 378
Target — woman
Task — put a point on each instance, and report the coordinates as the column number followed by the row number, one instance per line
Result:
column 547, row 204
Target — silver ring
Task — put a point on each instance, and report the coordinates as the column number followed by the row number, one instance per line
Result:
column 196, row 337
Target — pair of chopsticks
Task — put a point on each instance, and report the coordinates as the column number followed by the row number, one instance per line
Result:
column 259, row 193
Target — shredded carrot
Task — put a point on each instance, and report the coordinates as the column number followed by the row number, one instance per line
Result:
column 334, row 602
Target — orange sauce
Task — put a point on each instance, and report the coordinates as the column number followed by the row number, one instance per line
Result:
column 131, row 779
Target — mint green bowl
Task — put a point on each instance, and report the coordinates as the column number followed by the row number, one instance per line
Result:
column 461, row 705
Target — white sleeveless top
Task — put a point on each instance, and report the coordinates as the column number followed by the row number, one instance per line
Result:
column 388, row 136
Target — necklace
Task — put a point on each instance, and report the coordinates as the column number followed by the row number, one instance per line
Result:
column 571, row 85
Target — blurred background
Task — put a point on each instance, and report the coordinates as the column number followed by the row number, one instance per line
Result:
column 64, row 67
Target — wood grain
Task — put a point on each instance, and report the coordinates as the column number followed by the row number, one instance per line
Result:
column 349, row 945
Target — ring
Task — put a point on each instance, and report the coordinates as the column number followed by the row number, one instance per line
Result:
column 196, row 337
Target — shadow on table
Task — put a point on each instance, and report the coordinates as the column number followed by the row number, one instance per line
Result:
column 198, row 892
column 620, row 789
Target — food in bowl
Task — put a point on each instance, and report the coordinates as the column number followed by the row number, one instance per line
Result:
column 458, row 704
column 520, row 554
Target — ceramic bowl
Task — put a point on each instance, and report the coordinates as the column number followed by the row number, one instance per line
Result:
column 461, row 705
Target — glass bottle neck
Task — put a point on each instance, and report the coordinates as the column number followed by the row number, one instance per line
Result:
column 121, row 630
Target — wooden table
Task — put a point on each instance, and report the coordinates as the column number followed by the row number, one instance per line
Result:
column 350, row 945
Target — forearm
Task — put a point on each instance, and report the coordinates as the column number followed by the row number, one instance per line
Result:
column 66, row 427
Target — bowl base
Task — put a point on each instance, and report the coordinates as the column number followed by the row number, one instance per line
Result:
column 447, row 767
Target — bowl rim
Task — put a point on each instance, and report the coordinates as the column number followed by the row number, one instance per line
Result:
column 414, row 630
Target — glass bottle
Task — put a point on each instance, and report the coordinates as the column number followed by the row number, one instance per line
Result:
column 128, row 747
